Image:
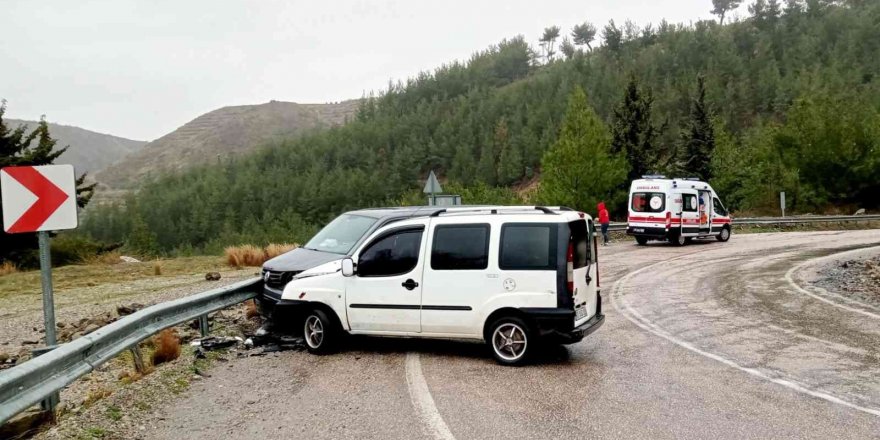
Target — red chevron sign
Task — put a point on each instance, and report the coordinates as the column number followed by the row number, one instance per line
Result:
column 41, row 198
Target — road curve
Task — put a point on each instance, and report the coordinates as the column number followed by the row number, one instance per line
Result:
column 707, row 340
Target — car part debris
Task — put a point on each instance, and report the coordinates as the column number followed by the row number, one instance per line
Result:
column 215, row 342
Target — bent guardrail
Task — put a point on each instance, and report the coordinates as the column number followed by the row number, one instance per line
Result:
column 748, row 221
column 29, row 383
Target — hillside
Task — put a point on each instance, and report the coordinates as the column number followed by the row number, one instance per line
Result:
column 791, row 103
column 89, row 151
column 227, row 131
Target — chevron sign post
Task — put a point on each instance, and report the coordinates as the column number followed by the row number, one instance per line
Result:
column 40, row 199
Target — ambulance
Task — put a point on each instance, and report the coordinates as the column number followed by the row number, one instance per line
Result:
column 677, row 210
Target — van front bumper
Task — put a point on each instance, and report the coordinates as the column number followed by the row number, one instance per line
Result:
column 557, row 324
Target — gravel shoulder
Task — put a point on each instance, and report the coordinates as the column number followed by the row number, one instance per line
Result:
column 854, row 275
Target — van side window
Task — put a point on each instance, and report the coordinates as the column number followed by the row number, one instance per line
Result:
column 528, row 246
column 460, row 247
column 689, row 202
column 717, row 207
column 648, row 202
column 394, row 254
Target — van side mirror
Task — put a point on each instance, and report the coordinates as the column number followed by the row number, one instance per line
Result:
column 347, row 267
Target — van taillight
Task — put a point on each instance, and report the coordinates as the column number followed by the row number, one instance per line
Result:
column 668, row 219
column 569, row 264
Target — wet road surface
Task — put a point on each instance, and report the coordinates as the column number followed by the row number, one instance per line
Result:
column 702, row 341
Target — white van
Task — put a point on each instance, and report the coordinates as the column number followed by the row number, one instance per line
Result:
column 511, row 276
column 677, row 210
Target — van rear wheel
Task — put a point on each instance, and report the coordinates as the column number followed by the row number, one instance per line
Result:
column 642, row 240
column 678, row 240
column 510, row 339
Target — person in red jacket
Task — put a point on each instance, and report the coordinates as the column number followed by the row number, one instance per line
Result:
column 604, row 220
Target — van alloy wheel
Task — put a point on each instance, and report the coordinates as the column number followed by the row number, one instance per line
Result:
column 509, row 341
column 724, row 235
column 314, row 331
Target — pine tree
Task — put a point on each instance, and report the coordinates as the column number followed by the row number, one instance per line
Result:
column 20, row 148
column 722, row 7
column 633, row 133
column 510, row 166
column 698, row 137
column 584, row 34
column 579, row 170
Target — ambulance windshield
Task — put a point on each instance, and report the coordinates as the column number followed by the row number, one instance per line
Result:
column 648, row 202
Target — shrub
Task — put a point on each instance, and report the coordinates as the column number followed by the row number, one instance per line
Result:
column 167, row 345
column 7, row 268
column 157, row 268
column 250, row 310
column 274, row 249
column 250, row 255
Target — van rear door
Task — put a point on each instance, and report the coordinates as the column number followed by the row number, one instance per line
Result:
column 581, row 269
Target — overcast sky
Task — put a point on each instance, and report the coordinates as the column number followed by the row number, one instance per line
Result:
column 140, row 69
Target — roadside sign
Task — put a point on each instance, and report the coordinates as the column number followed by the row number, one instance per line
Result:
column 445, row 200
column 38, row 198
column 432, row 186
column 782, row 202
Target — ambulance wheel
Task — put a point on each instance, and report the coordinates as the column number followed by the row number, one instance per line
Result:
column 642, row 241
column 678, row 240
column 724, row 235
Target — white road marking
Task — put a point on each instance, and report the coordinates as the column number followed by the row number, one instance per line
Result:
column 422, row 400
column 647, row 325
column 790, row 279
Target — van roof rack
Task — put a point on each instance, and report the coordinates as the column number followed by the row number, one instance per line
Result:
column 492, row 210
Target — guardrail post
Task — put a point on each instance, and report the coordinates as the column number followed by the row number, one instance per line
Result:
column 203, row 325
column 51, row 401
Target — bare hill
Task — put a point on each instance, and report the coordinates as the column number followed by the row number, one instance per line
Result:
column 89, row 151
column 226, row 131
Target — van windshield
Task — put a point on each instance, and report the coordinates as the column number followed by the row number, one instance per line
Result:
column 340, row 235
column 648, row 202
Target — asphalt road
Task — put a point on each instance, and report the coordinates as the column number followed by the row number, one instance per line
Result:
column 709, row 340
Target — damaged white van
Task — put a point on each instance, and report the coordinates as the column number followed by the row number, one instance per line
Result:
column 514, row 277
column 677, row 210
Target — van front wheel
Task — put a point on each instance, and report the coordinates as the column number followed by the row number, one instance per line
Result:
column 642, row 240
column 510, row 339
column 319, row 332
column 724, row 235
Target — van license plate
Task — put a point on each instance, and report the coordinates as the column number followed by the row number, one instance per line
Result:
column 638, row 230
column 580, row 313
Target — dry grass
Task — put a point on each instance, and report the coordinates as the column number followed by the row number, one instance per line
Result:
column 157, row 268
column 96, row 395
column 7, row 268
column 253, row 256
column 106, row 259
column 167, row 345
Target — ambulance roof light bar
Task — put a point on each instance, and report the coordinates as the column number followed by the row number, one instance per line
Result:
column 653, row 176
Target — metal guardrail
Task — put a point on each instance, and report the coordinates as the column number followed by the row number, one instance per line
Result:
column 748, row 221
column 29, row 383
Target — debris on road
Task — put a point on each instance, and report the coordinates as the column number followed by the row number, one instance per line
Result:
column 212, row 276
column 216, row 342
column 123, row 310
column 128, row 259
